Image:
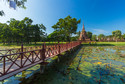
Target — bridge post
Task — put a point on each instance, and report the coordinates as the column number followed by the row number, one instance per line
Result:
column 59, row 46
column 67, row 46
column 42, row 67
column 42, row 56
column 21, row 55
column 59, row 52
column 71, row 45
column 42, row 52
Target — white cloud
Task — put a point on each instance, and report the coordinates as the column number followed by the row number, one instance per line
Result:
column 99, row 31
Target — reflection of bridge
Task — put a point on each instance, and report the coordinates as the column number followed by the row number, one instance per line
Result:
column 14, row 61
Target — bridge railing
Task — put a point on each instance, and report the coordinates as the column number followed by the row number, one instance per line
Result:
column 17, row 50
column 22, row 60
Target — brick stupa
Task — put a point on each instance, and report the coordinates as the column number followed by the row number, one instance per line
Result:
column 83, row 35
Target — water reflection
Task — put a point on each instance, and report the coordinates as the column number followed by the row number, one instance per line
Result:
column 21, row 76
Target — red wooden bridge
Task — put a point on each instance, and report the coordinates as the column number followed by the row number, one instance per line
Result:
column 13, row 61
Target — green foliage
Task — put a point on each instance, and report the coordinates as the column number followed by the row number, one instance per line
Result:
column 74, row 38
column 94, row 37
column 21, row 31
column 101, row 36
column 66, row 27
column 116, row 34
column 53, row 36
column 123, row 36
column 89, row 34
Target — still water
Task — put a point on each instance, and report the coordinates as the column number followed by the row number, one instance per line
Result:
column 91, row 65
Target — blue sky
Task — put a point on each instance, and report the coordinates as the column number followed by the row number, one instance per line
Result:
column 99, row 16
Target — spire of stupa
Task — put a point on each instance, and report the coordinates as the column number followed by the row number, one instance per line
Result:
column 83, row 28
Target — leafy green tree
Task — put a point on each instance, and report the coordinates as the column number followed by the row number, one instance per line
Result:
column 54, row 36
column 38, row 31
column 101, row 37
column 117, row 34
column 123, row 36
column 15, row 30
column 66, row 26
column 109, row 38
column 21, row 31
column 94, row 37
column 89, row 34
column 27, row 29
column 5, row 34
column 74, row 38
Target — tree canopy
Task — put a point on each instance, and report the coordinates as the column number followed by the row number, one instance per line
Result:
column 101, row 36
column 94, row 37
column 89, row 34
column 21, row 31
column 66, row 27
column 116, row 34
column 123, row 36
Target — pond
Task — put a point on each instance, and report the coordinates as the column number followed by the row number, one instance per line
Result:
column 90, row 65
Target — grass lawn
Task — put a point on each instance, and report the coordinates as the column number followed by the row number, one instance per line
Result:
column 14, row 45
column 107, row 44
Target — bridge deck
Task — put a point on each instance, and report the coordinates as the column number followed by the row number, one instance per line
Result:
column 10, row 67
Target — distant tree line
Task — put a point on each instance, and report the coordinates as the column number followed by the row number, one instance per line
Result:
column 15, row 31
column 116, row 36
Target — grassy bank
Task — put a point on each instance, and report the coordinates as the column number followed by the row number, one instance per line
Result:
column 14, row 45
column 106, row 44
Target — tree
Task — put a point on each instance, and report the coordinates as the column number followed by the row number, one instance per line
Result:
column 56, row 36
column 123, row 36
column 116, row 34
column 66, row 27
column 5, row 33
column 38, row 31
column 53, row 36
column 21, row 31
column 109, row 38
column 89, row 34
column 94, row 37
column 19, row 3
column 101, row 37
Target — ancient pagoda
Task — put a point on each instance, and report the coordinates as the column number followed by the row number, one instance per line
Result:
column 83, row 35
